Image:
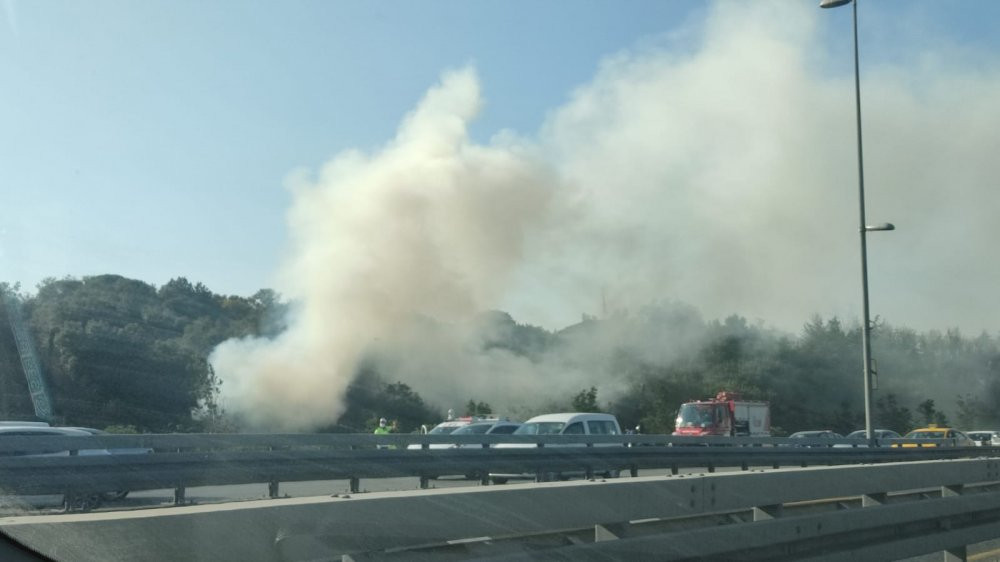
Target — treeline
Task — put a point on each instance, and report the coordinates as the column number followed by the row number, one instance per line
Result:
column 120, row 352
column 125, row 354
column 814, row 380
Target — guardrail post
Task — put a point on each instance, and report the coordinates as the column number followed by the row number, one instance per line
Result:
column 765, row 512
column 354, row 484
column 272, row 489
column 179, row 495
column 951, row 491
column 955, row 554
column 424, row 482
column 608, row 532
column 674, row 470
column 871, row 500
column 633, row 471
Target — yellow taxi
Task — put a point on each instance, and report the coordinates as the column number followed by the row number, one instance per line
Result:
column 934, row 432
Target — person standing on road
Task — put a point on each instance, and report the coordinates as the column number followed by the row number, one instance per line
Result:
column 382, row 429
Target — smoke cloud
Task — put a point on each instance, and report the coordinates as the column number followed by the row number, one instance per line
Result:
column 430, row 226
column 719, row 172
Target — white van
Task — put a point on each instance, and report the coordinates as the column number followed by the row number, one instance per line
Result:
column 573, row 423
column 570, row 423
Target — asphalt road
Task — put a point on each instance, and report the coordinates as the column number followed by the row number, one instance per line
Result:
column 222, row 494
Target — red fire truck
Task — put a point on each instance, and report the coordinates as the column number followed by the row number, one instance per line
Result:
column 726, row 414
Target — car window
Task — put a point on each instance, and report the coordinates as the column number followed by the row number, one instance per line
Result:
column 575, row 428
column 503, row 429
column 601, row 427
column 540, row 428
column 926, row 435
column 443, row 430
column 473, row 429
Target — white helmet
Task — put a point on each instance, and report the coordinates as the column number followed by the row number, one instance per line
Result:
column 381, row 422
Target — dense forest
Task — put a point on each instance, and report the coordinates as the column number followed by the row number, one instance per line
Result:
column 125, row 354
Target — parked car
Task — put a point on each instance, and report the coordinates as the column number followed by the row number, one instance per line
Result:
column 37, row 429
column 34, row 429
column 117, row 494
column 448, row 427
column 572, row 423
column 489, row 427
column 984, row 437
column 860, row 435
column 814, row 434
column 876, row 433
column 934, row 432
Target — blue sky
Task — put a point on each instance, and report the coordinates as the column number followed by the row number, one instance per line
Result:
column 152, row 139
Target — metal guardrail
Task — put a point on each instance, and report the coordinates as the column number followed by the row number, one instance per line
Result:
column 858, row 513
column 171, row 442
column 179, row 461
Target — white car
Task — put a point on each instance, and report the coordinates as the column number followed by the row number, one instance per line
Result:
column 449, row 427
column 8, row 429
column 490, row 427
column 117, row 494
column 984, row 437
column 11, row 429
column 572, row 423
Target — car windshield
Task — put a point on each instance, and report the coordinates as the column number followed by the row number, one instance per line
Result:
column 695, row 415
column 540, row 428
column 444, row 429
column 236, row 236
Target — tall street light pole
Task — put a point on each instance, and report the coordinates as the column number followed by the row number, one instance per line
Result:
column 866, row 328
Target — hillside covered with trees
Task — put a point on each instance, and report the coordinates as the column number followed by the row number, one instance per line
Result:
column 125, row 354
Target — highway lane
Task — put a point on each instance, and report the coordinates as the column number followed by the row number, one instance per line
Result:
column 244, row 492
column 219, row 494
column 223, row 494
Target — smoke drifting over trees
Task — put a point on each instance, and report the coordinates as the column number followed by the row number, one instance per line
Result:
column 124, row 353
column 701, row 170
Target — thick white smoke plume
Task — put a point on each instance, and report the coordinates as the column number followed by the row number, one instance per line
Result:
column 724, row 176
column 432, row 226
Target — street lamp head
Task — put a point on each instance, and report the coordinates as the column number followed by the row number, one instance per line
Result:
column 883, row 226
column 833, row 3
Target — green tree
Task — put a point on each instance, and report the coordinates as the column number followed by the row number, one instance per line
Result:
column 890, row 415
column 586, row 401
column 473, row 408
